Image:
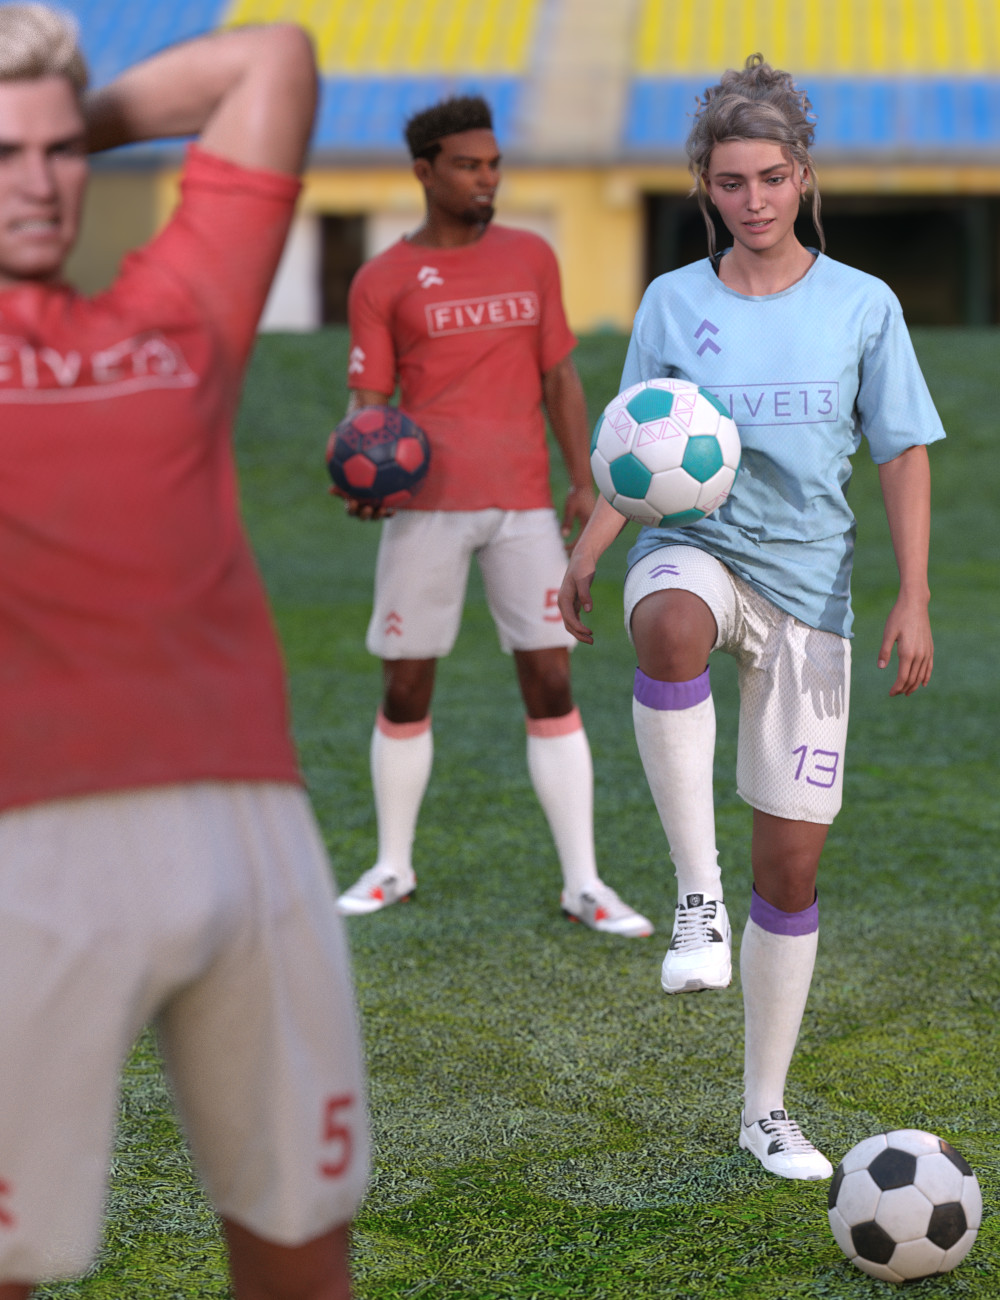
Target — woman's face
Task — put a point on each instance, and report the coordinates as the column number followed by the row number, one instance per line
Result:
column 757, row 189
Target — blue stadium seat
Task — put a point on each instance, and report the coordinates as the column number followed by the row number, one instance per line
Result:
column 115, row 33
column 366, row 114
column 854, row 113
column 360, row 114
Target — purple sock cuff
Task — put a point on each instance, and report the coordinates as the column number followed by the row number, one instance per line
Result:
column 777, row 922
column 670, row 695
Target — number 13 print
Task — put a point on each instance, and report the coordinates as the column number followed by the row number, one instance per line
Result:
column 817, row 766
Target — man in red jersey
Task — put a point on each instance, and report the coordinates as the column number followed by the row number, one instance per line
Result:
column 467, row 318
column 158, row 860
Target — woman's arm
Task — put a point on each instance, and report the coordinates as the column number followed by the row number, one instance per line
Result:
column 602, row 528
column 906, row 491
column 567, row 411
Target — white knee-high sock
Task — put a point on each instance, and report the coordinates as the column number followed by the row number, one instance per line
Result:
column 776, row 965
column 402, row 754
column 675, row 732
column 562, row 775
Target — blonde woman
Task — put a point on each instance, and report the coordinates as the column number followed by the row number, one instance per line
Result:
column 810, row 356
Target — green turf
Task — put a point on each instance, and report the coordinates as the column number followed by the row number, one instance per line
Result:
column 546, row 1122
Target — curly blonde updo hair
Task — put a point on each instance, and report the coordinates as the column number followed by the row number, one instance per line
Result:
column 755, row 102
column 39, row 41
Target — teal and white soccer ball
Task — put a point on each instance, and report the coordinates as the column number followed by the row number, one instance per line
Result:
column 665, row 453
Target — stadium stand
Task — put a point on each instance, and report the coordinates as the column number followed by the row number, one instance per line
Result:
column 385, row 59
column 915, row 77
column 115, row 33
column 918, row 77
column 592, row 102
column 381, row 60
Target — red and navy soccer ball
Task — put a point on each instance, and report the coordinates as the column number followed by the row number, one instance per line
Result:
column 378, row 456
column 904, row 1205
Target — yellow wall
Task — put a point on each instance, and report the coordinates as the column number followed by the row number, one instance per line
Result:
column 596, row 216
column 121, row 213
column 596, row 221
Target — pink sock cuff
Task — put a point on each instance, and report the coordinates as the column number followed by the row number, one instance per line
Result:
column 401, row 730
column 546, row 728
column 670, row 695
column 775, row 921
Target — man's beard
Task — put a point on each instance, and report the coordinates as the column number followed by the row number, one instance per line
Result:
column 479, row 216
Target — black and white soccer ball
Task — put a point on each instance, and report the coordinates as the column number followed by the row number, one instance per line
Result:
column 904, row 1205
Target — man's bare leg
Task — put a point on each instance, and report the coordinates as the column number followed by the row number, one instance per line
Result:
column 264, row 1270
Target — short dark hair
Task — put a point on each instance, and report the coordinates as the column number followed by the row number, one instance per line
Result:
column 425, row 130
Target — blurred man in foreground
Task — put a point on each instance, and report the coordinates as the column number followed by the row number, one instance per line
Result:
column 158, row 859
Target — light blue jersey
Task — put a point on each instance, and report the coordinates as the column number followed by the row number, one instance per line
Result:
column 805, row 373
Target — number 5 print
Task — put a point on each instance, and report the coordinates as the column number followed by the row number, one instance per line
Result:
column 337, row 1135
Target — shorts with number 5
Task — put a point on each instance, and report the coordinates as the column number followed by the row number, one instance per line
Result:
column 795, row 685
column 423, row 566
column 207, row 910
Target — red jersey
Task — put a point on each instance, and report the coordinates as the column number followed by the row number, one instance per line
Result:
column 467, row 333
column 136, row 646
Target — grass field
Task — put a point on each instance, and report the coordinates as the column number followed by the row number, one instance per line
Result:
column 546, row 1122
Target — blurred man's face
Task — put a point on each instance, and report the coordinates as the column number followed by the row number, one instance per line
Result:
column 462, row 180
column 43, row 175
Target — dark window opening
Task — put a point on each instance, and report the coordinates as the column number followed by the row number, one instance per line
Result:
column 343, row 251
column 939, row 254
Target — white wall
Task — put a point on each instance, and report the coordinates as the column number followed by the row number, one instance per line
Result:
column 295, row 300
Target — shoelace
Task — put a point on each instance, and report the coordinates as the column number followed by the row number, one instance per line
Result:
column 694, row 927
column 786, row 1135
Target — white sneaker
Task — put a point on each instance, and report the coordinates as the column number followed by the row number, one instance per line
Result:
column 700, row 952
column 600, row 907
column 377, row 888
column 780, row 1146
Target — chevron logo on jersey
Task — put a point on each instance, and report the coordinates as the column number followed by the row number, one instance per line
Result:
column 429, row 276
column 709, row 345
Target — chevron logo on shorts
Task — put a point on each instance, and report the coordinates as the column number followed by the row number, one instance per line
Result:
column 662, row 570
column 394, row 624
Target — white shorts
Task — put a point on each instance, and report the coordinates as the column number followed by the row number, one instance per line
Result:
column 208, row 908
column 423, row 568
column 795, row 685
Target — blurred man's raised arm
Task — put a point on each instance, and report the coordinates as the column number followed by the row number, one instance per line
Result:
column 248, row 95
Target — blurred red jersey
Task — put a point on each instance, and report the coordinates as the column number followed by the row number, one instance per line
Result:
column 467, row 333
column 136, row 646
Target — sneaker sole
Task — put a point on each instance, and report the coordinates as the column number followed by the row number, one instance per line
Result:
column 697, row 985
column 643, row 932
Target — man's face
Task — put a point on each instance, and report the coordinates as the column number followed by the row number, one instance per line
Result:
column 43, row 175
column 462, row 180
